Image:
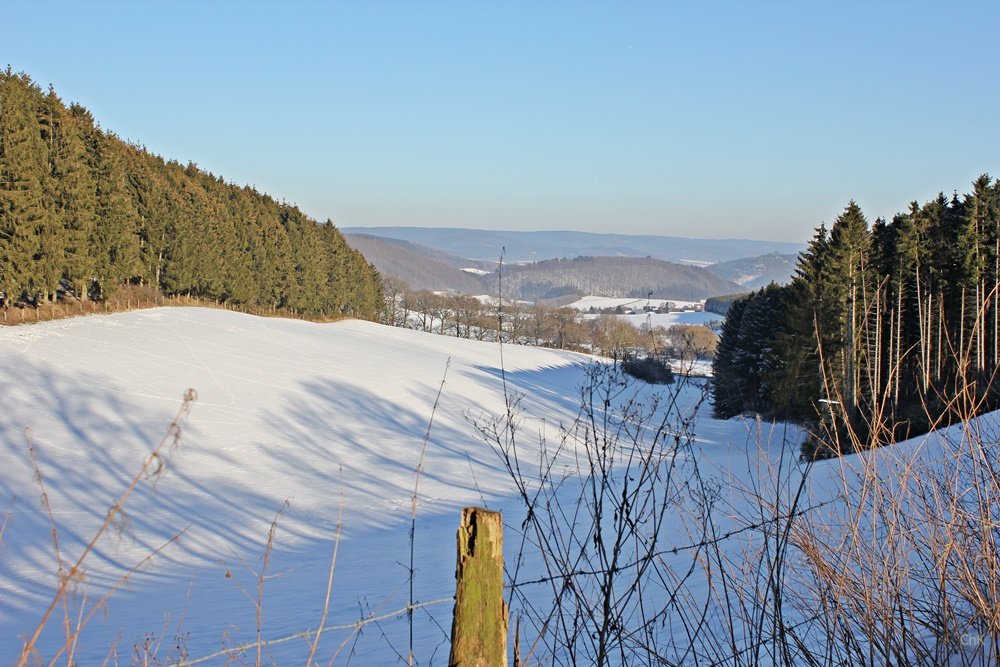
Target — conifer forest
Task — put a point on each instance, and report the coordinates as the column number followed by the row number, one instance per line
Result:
column 83, row 212
column 884, row 327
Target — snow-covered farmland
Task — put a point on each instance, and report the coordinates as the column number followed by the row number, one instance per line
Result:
column 639, row 318
column 602, row 302
column 328, row 417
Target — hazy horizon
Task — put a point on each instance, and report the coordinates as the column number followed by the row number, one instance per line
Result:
column 358, row 229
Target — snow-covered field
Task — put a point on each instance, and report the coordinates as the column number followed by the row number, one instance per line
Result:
column 667, row 320
column 318, row 415
column 601, row 302
column 638, row 319
column 328, row 417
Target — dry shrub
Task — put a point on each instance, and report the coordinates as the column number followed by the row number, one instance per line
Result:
column 907, row 570
column 78, row 611
column 889, row 556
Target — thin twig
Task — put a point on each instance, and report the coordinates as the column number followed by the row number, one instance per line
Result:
column 413, row 502
column 329, row 580
column 262, row 575
column 53, row 527
column 153, row 462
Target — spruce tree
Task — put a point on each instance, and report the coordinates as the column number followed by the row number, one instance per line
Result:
column 24, row 270
column 73, row 191
column 114, row 242
column 727, row 379
column 82, row 210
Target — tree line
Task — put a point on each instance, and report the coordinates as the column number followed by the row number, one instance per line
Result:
column 83, row 212
column 537, row 324
column 883, row 327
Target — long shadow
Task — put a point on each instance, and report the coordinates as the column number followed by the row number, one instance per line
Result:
column 81, row 478
column 91, row 436
column 371, row 458
column 374, row 455
column 553, row 388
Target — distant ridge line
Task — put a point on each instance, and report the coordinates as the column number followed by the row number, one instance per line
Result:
column 524, row 246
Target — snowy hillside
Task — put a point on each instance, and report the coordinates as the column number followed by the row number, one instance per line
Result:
column 756, row 272
column 330, row 418
column 315, row 414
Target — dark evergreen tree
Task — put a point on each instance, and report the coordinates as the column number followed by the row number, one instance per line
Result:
column 73, row 193
column 882, row 326
column 114, row 243
column 23, row 167
column 846, row 305
column 83, row 212
column 728, row 378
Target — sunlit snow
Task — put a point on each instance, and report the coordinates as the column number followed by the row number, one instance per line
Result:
column 328, row 417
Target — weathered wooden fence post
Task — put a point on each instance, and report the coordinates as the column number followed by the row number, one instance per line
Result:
column 479, row 626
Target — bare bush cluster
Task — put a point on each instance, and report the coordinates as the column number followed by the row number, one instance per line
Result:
column 538, row 324
column 888, row 557
column 598, row 504
column 909, row 572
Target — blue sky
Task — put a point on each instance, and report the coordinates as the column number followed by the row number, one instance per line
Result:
column 708, row 119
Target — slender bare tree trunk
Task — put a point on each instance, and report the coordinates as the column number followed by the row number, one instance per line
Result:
column 961, row 326
column 939, row 357
column 924, row 335
column 899, row 339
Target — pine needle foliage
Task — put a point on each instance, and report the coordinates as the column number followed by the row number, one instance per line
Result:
column 881, row 328
column 83, row 212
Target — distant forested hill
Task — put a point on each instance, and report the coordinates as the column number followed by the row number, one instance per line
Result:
column 422, row 267
column 419, row 266
column 83, row 212
column 721, row 304
column 756, row 272
column 613, row 277
column 536, row 246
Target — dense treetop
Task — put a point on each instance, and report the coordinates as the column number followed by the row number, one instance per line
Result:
column 83, row 212
column 884, row 327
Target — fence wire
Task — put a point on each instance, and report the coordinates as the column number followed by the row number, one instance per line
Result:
column 233, row 651
column 360, row 623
